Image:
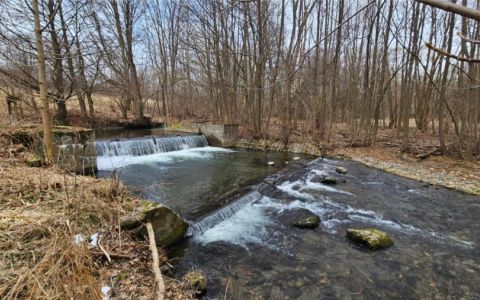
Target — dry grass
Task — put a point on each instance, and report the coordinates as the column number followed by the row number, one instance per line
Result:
column 41, row 210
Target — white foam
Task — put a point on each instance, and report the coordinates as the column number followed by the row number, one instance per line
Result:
column 109, row 163
column 245, row 227
column 307, row 184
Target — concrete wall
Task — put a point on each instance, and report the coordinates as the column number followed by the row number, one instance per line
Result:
column 221, row 135
column 301, row 148
column 75, row 147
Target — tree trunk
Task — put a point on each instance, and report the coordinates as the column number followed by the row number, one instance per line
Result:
column 42, row 82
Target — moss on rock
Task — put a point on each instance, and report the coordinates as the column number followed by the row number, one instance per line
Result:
column 370, row 238
column 196, row 281
column 33, row 160
column 309, row 222
column 169, row 227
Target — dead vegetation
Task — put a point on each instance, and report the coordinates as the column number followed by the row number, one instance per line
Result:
column 437, row 170
column 46, row 219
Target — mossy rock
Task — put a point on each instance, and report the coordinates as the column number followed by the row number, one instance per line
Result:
column 300, row 218
column 169, row 227
column 196, row 281
column 341, row 170
column 310, row 222
column 33, row 160
column 370, row 238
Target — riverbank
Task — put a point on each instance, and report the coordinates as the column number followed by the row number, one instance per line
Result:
column 60, row 237
column 436, row 170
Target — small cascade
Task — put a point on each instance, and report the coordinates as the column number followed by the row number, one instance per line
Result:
column 149, row 145
column 223, row 213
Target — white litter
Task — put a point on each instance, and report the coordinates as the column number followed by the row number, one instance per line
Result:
column 78, row 238
column 94, row 240
column 106, row 292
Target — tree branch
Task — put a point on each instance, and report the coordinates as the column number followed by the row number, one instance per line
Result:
column 450, row 55
column 453, row 8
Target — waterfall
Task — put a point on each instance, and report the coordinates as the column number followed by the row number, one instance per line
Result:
column 223, row 213
column 149, row 145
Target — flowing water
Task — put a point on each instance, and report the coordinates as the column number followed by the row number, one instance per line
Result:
column 248, row 251
column 255, row 254
column 183, row 172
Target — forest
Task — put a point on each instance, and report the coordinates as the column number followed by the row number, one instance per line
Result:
column 293, row 68
column 207, row 127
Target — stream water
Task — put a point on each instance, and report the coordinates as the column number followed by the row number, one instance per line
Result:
column 248, row 251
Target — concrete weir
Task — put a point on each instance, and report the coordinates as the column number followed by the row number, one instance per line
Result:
column 218, row 135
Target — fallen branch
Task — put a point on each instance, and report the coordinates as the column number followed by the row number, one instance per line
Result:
column 103, row 250
column 427, row 154
column 155, row 264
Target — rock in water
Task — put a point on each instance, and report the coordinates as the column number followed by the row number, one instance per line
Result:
column 197, row 281
column 169, row 227
column 341, row 170
column 271, row 163
column 329, row 180
column 296, row 158
column 309, row 222
column 371, row 238
column 301, row 218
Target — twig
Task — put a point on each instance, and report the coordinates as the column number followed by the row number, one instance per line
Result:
column 226, row 289
column 103, row 250
column 155, row 264
column 119, row 255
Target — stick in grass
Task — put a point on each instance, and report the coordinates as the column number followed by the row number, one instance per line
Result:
column 155, row 264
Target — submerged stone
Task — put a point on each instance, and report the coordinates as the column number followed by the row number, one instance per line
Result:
column 300, row 218
column 196, row 281
column 169, row 227
column 329, row 180
column 370, row 238
column 341, row 170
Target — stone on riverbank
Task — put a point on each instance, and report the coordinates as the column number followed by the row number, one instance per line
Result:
column 168, row 226
column 370, row 238
column 341, row 170
column 33, row 160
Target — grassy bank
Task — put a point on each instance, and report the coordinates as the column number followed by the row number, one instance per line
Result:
column 46, row 220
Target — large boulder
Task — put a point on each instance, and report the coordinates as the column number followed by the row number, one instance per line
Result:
column 169, row 227
column 370, row 238
column 300, row 218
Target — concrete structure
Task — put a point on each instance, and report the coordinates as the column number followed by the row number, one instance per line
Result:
column 223, row 135
column 75, row 146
